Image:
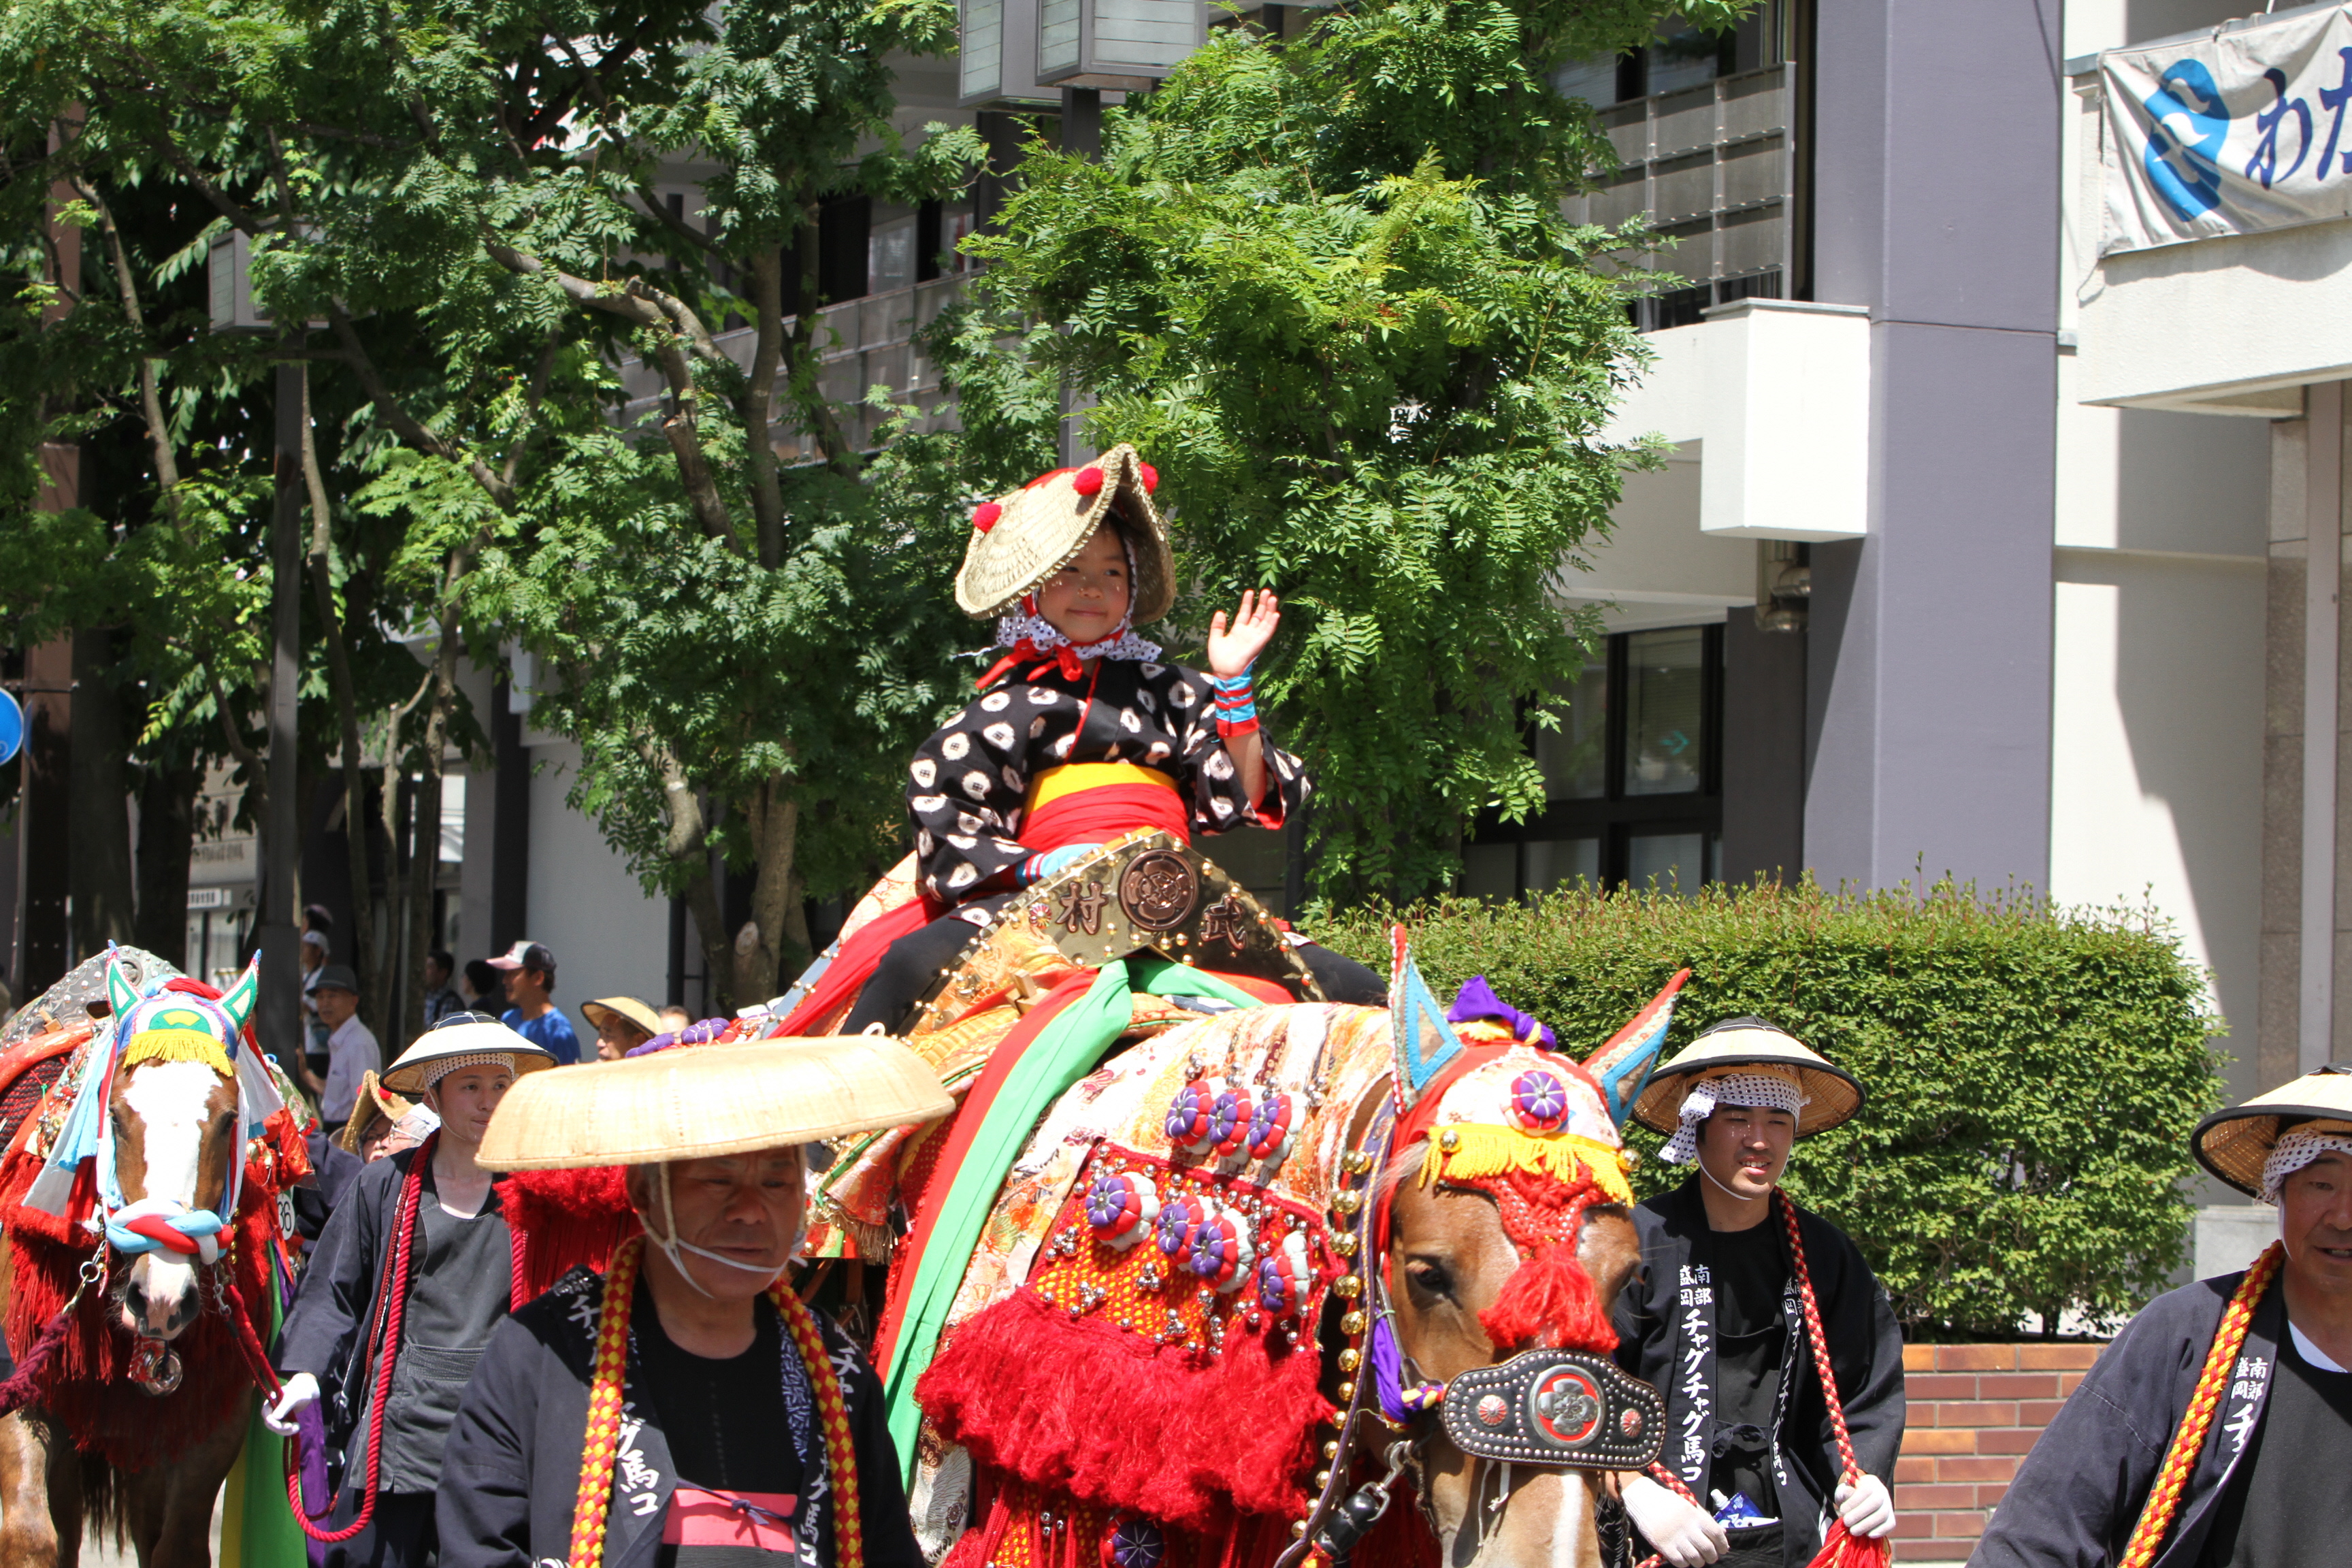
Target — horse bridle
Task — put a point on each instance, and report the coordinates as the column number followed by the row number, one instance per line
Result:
column 1542, row 1408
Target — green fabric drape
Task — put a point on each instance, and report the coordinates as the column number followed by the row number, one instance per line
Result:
column 1064, row 1051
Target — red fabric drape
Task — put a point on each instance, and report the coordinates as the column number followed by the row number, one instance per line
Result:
column 969, row 1117
column 1099, row 815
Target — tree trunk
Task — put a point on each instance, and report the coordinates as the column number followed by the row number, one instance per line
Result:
column 758, row 947
column 710, row 926
column 425, row 859
column 347, row 713
column 99, row 872
column 167, row 841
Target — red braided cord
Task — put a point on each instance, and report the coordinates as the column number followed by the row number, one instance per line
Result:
column 403, row 1234
column 1849, row 1471
column 2188, row 1441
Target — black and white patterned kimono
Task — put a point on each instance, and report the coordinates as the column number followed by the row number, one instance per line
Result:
column 969, row 784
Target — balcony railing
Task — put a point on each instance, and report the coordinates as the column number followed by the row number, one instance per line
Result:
column 1715, row 166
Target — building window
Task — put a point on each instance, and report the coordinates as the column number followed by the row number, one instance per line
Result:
column 1633, row 776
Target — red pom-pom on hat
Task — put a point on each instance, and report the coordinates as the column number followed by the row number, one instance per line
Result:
column 1151, row 477
column 1087, row 481
column 985, row 515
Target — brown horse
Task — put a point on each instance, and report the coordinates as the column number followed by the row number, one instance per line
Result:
column 1448, row 1259
column 140, row 1391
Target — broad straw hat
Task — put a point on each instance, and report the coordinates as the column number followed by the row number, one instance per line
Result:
column 1749, row 1045
column 692, row 1102
column 628, row 1009
column 372, row 1101
column 461, row 1035
column 2234, row 1143
column 1019, row 541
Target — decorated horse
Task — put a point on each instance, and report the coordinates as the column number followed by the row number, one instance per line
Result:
column 143, row 1252
column 1197, row 1276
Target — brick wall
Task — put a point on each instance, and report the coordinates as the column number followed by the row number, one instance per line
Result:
column 1974, row 1410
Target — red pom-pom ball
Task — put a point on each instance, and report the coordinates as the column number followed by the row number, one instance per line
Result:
column 985, row 515
column 1151, row 477
column 1089, row 481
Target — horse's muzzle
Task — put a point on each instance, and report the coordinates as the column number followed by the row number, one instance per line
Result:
column 159, row 1309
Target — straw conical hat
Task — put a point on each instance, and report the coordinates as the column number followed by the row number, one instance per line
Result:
column 372, row 1099
column 1019, row 541
column 2234, row 1144
column 462, row 1035
column 628, row 1009
column 692, row 1102
column 1831, row 1095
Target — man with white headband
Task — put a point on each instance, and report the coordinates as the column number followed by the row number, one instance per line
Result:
column 421, row 1234
column 2217, row 1428
column 1717, row 1323
column 684, row 1409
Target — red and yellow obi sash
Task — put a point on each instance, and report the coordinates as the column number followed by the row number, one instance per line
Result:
column 1094, row 803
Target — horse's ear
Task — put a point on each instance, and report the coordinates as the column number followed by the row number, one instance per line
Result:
column 1623, row 1066
column 1420, row 1041
column 239, row 999
column 121, row 995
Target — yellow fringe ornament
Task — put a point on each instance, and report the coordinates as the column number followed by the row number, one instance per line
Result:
column 1468, row 1152
column 177, row 1046
column 594, row 1499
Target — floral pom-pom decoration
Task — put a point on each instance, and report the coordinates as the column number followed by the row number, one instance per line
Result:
column 1222, row 1250
column 1086, row 481
column 1121, row 1209
column 1284, row 1276
column 1151, row 477
column 1229, row 1120
column 984, row 516
column 1273, row 1128
column 1538, row 1100
column 1179, row 1227
column 1190, row 1116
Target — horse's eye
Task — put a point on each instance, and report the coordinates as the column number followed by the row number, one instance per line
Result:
column 1429, row 1278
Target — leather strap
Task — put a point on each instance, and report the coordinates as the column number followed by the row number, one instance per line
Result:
column 1555, row 1407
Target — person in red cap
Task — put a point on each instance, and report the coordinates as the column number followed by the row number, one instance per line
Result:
column 1082, row 731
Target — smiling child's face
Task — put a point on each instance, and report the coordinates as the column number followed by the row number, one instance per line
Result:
column 1087, row 599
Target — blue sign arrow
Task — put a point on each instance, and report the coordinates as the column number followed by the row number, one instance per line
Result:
column 12, row 727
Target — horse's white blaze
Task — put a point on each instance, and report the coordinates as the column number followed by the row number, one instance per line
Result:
column 170, row 1098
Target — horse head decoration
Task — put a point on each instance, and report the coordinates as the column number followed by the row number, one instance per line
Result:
column 1294, row 1242
column 162, row 1119
column 1499, row 1229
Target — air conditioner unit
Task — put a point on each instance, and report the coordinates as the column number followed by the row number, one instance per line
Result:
column 1116, row 45
column 996, row 62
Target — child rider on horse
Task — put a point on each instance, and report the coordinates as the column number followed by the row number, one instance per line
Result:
column 1092, row 736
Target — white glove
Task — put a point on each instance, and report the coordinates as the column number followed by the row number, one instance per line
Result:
column 295, row 1393
column 1866, row 1507
column 1686, row 1535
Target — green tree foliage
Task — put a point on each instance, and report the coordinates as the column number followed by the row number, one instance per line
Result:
column 2032, row 1075
column 539, row 392
column 1326, row 286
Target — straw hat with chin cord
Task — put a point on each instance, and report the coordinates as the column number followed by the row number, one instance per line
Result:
column 696, row 1102
column 461, row 1035
column 1020, row 540
column 1832, row 1096
column 2234, row 1144
column 372, row 1101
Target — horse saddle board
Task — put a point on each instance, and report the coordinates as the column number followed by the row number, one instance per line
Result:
column 1148, row 890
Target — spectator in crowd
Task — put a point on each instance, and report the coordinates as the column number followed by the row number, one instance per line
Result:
column 314, row 961
column 483, row 988
column 441, row 998
column 337, row 1158
column 529, row 971
column 672, row 1019
column 350, row 1046
column 621, row 1024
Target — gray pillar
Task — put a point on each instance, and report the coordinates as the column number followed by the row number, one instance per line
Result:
column 1928, row 671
